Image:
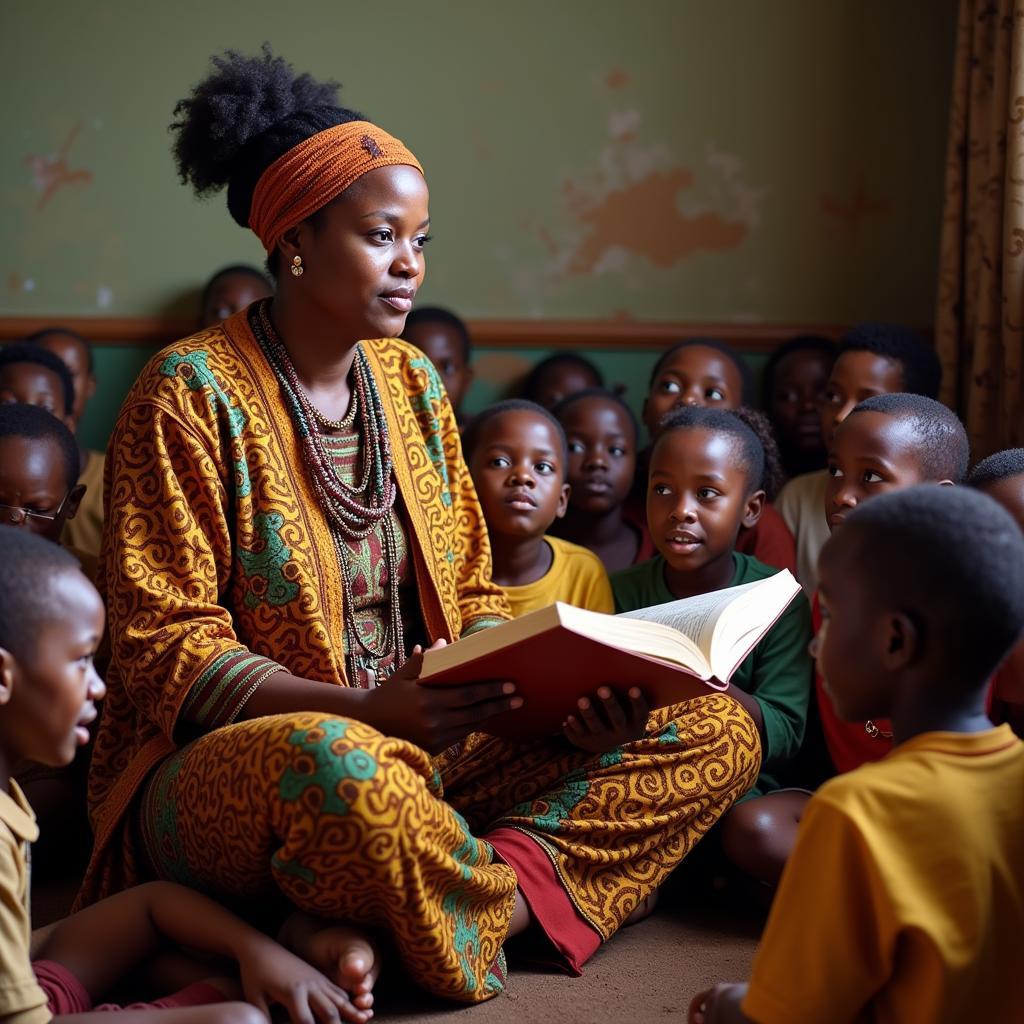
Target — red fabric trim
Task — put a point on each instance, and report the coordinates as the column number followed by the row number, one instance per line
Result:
column 64, row 992
column 573, row 939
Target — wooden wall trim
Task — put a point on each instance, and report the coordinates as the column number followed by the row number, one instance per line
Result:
column 487, row 334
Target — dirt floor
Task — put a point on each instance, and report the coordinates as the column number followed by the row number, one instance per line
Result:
column 646, row 973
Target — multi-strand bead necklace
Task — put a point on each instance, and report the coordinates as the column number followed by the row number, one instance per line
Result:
column 353, row 512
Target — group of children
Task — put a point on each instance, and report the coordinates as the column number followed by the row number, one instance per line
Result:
column 896, row 885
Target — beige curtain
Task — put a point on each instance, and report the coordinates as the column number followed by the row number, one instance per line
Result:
column 979, row 322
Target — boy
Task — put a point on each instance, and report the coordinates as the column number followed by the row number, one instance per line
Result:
column 872, row 359
column 38, row 471
column 902, row 900
column 229, row 290
column 35, row 376
column 559, row 376
column 1001, row 476
column 84, row 531
column 887, row 443
column 51, row 623
column 517, row 455
column 444, row 339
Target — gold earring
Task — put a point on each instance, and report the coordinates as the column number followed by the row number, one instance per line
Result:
column 297, row 267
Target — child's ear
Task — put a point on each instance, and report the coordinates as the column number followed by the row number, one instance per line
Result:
column 753, row 510
column 73, row 500
column 8, row 670
column 563, row 502
column 903, row 642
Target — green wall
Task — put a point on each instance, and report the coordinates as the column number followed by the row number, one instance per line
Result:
column 663, row 159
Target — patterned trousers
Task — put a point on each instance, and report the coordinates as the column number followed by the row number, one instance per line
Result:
column 356, row 826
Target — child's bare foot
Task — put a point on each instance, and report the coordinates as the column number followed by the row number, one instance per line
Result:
column 643, row 909
column 347, row 955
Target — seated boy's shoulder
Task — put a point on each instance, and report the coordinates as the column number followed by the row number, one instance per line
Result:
column 575, row 555
column 804, row 489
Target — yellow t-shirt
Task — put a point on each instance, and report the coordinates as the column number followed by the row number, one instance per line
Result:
column 903, row 900
column 577, row 577
column 85, row 531
column 22, row 1001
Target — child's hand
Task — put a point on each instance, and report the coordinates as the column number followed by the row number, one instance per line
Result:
column 719, row 1005
column 270, row 974
column 607, row 720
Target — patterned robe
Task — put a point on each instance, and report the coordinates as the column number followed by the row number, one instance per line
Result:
column 217, row 563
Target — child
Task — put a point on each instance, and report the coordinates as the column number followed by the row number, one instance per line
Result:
column 902, row 900
column 559, row 376
column 35, row 376
column 705, row 484
column 38, row 471
column 444, row 339
column 793, row 387
column 1001, row 476
column 51, row 622
column 601, row 431
column 516, row 453
column 887, row 443
column 872, row 359
column 705, row 372
column 86, row 529
column 229, row 290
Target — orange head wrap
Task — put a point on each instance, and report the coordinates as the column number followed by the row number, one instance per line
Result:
column 314, row 172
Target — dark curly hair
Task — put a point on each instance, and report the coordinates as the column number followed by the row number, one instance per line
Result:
column 774, row 475
column 244, row 115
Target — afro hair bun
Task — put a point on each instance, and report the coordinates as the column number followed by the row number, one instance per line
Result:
column 245, row 114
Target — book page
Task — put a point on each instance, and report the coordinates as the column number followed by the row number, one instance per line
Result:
column 696, row 617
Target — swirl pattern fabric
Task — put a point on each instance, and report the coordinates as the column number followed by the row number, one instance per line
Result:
column 217, row 565
column 353, row 825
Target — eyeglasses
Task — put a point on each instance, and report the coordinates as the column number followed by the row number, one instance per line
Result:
column 16, row 516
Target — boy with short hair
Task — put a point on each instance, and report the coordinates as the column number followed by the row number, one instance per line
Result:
column 902, row 899
column 518, row 457
column 444, row 339
column 85, row 531
column 51, row 623
column 872, row 359
column 1001, row 476
column 35, row 376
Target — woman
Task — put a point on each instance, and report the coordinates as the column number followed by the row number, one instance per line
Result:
column 290, row 514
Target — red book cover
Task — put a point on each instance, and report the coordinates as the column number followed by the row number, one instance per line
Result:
column 554, row 668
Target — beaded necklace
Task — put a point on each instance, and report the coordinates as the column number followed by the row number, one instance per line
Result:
column 353, row 512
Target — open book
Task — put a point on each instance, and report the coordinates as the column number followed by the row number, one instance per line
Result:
column 672, row 652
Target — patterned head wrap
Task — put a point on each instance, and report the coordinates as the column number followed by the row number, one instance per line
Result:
column 317, row 170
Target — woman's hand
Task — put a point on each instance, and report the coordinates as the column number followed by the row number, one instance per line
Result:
column 606, row 720
column 719, row 1005
column 270, row 974
column 434, row 717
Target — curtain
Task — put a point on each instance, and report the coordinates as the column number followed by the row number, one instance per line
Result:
column 979, row 324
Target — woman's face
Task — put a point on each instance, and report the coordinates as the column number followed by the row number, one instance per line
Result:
column 362, row 256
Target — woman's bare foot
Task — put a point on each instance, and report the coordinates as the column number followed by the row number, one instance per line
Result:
column 643, row 909
column 345, row 954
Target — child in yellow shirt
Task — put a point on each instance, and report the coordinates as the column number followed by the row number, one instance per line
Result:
column 903, row 899
column 518, row 458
